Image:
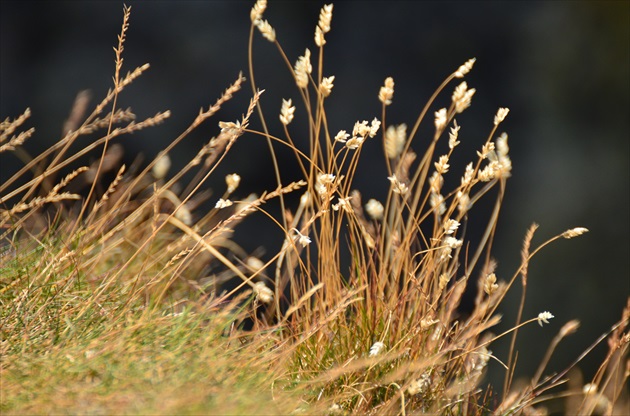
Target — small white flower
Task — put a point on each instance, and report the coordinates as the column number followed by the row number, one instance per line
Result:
column 223, row 203
column 301, row 238
column 544, row 317
column 326, row 178
column 232, row 180
column 375, row 209
column 376, row 349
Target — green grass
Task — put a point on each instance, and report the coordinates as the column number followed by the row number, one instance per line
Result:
column 119, row 297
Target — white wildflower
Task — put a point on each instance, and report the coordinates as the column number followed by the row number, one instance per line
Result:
column 304, row 240
column 327, row 85
column 453, row 242
column 355, row 142
column 501, row 114
column 232, row 180
column 544, row 317
column 465, row 68
column 376, row 349
column 223, row 203
column 386, row 92
column 287, row 112
column 574, row 232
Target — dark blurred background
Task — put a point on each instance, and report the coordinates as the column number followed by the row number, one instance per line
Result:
column 561, row 67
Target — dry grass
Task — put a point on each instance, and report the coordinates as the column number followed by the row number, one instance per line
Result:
column 113, row 293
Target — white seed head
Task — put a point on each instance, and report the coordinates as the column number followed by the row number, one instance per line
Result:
column 386, row 93
column 327, row 85
column 266, row 30
column 287, row 112
column 342, row 136
column 501, row 114
column 263, row 293
column 464, row 69
column 440, row 119
column 161, row 167
column 376, row 349
column 544, row 317
column 223, row 203
column 452, row 135
column 490, row 284
column 303, row 68
column 574, row 232
column 258, row 10
column 374, row 209
column 342, row 203
column 397, row 186
column 395, row 138
column 304, row 240
column 232, row 180
column 441, row 166
column 450, row 226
